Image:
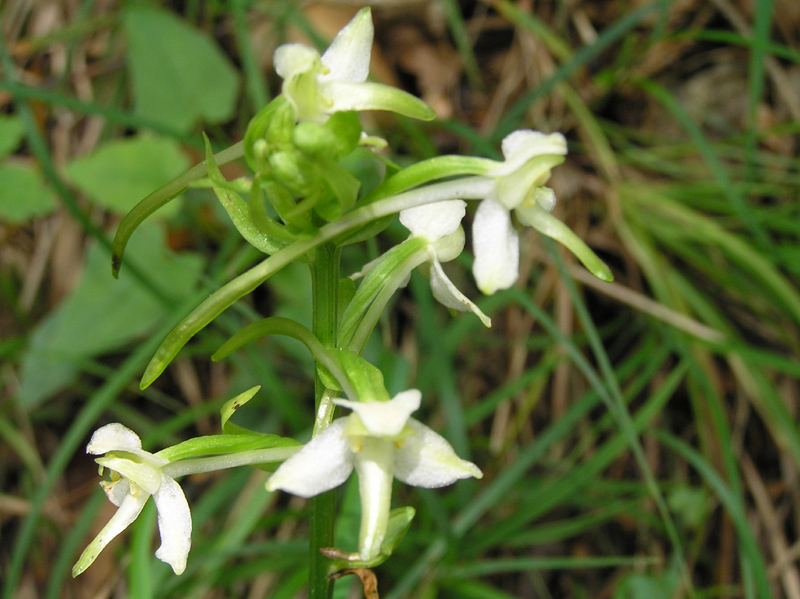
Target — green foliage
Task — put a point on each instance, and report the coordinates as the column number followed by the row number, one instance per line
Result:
column 11, row 134
column 23, row 194
column 558, row 400
column 102, row 315
column 118, row 174
column 179, row 75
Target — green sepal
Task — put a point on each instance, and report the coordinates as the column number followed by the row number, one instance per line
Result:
column 366, row 379
column 277, row 119
column 427, row 171
column 405, row 257
column 549, row 225
column 399, row 523
column 332, row 140
column 238, row 210
column 210, row 445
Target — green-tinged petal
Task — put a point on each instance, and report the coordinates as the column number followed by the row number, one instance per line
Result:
column 347, row 58
column 450, row 246
column 521, row 146
column 449, row 295
column 324, row 463
column 495, row 244
column 375, row 96
column 291, row 60
column 427, row 460
column 434, row 221
column 146, row 474
column 174, row 524
column 374, row 464
column 549, row 225
column 114, row 436
column 128, row 511
column 530, row 156
column 385, row 418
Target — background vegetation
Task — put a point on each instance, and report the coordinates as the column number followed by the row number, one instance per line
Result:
column 639, row 439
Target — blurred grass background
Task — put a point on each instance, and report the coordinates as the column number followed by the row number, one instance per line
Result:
column 639, row 439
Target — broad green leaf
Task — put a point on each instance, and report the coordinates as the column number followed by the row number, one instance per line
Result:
column 23, row 194
column 121, row 172
column 11, row 133
column 103, row 314
column 179, row 75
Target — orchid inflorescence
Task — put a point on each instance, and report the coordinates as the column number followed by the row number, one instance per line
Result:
column 301, row 197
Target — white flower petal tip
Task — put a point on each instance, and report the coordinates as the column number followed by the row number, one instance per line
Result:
column 385, row 418
column 427, row 460
column 347, row 58
column 114, row 436
column 434, row 221
column 440, row 224
column 174, row 524
column 136, row 476
column 447, row 294
column 496, row 246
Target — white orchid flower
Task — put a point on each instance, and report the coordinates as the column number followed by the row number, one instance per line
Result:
column 529, row 157
column 381, row 441
column 319, row 86
column 135, row 475
column 440, row 225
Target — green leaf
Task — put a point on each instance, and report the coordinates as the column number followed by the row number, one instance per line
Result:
column 121, row 172
column 11, row 133
column 23, row 194
column 179, row 75
column 103, row 314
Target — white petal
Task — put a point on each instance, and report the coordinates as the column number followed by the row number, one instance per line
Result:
column 324, row 463
column 385, row 418
column 128, row 511
column 449, row 295
column 174, row 524
column 112, row 437
column 348, row 55
column 294, row 59
column 520, row 146
column 434, row 221
column 375, row 466
column 495, row 244
column 428, row 460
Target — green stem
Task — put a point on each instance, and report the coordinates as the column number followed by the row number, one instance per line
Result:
column 325, row 290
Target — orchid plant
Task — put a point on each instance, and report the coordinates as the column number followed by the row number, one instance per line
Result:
column 301, row 203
